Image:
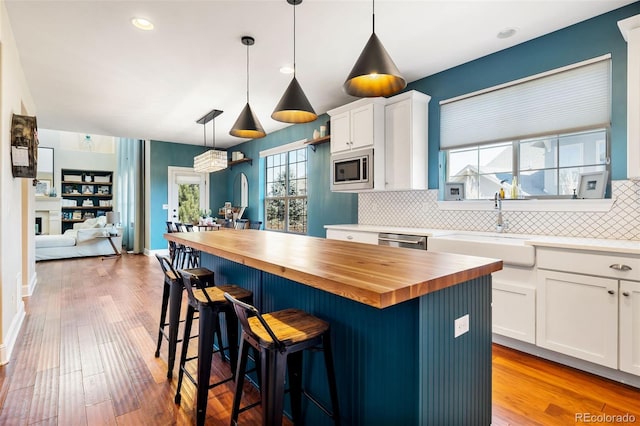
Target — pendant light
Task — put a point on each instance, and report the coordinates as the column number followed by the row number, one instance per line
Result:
column 247, row 125
column 214, row 159
column 294, row 107
column 375, row 73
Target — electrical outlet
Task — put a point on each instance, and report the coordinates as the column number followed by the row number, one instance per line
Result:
column 461, row 326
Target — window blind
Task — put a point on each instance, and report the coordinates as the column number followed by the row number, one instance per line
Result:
column 571, row 98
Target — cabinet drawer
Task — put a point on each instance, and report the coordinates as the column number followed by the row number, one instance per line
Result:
column 353, row 236
column 588, row 263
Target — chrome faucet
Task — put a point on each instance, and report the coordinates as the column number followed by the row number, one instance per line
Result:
column 501, row 224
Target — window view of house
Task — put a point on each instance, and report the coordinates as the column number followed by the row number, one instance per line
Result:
column 547, row 166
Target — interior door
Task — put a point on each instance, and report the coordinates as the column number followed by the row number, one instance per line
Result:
column 188, row 194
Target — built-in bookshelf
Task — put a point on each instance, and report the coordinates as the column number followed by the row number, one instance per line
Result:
column 85, row 194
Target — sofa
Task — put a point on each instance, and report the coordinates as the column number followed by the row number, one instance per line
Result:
column 87, row 238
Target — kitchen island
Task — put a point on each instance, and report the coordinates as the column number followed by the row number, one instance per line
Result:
column 392, row 313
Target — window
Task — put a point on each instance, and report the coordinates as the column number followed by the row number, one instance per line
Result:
column 286, row 191
column 548, row 166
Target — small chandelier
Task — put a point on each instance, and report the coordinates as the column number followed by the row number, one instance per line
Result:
column 214, row 159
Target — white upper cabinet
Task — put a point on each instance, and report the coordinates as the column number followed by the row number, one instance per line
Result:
column 406, row 135
column 359, row 124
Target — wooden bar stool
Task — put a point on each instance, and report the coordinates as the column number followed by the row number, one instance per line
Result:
column 209, row 302
column 172, row 296
column 280, row 337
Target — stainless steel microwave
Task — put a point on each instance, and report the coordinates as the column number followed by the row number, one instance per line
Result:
column 352, row 171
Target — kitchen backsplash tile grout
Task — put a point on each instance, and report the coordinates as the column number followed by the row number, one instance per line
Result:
column 419, row 209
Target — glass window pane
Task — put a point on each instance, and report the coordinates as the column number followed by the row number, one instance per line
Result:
column 302, row 154
column 189, row 203
column 270, row 161
column 539, row 182
column 302, row 170
column 583, row 149
column 462, row 162
column 496, row 158
column 298, row 215
column 274, row 210
column 539, row 154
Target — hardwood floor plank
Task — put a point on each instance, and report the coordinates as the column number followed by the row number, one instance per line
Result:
column 89, row 352
column 95, row 389
column 44, row 402
column 15, row 410
column 70, row 359
column 71, row 402
column 101, row 414
column 142, row 341
column 109, row 309
column 122, row 394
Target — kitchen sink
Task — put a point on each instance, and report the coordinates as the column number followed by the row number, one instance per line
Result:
column 510, row 248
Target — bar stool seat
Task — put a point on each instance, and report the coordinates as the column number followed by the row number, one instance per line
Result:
column 209, row 302
column 281, row 337
column 172, row 298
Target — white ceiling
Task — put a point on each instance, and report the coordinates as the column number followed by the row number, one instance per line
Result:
column 91, row 71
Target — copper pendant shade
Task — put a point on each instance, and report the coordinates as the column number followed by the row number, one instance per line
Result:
column 375, row 73
column 294, row 107
column 247, row 125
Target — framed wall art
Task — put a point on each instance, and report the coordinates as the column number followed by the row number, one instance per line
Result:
column 454, row 191
column 592, row 185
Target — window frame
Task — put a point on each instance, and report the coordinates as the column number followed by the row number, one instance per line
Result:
column 516, row 159
column 287, row 198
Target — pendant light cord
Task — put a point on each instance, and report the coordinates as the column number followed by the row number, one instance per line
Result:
column 294, row 39
column 373, row 15
column 247, row 73
column 204, row 126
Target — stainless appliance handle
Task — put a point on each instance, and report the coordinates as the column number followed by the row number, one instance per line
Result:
column 393, row 240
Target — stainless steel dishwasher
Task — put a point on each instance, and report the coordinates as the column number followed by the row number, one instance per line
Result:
column 401, row 240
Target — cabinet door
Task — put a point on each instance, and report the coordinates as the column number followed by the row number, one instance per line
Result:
column 578, row 316
column 630, row 327
column 340, row 132
column 398, row 151
column 361, row 127
column 513, row 310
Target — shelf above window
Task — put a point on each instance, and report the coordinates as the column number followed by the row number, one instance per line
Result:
column 230, row 164
column 313, row 142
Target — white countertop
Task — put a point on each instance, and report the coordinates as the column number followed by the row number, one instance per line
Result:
column 590, row 244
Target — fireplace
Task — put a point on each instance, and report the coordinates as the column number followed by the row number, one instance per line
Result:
column 48, row 216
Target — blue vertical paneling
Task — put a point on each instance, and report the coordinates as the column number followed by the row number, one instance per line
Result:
column 394, row 366
column 456, row 372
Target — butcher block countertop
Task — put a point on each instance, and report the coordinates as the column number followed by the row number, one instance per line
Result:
column 378, row 276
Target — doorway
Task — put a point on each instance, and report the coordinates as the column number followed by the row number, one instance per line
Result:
column 188, row 194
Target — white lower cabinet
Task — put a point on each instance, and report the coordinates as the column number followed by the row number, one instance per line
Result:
column 630, row 327
column 578, row 316
column 590, row 310
column 514, row 303
column 353, row 236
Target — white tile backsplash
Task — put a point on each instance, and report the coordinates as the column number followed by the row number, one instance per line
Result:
column 419, row 209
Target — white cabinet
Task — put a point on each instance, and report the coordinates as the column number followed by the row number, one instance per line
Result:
column 590, row 310
column 353, row 236
column 406, row 135
column 514, row 303
column 359, row 124
column 630, row 327
column 578, row 316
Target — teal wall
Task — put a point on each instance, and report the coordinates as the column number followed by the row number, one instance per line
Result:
column 325, row 207
column 587, row 39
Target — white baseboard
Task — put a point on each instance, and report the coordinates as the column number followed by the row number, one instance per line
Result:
column 27, row 290
column 6, row 347
column 161, row 252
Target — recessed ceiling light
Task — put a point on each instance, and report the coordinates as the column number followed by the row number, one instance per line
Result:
column 143, row 24
column 506, row 33
column 286, row 69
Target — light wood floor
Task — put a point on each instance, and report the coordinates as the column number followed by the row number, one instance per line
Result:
column 85, row 357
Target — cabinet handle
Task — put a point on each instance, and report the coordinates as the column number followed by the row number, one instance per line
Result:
column 611, row 292
column 349, row 237
column 620, row 267
column 626, row 294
